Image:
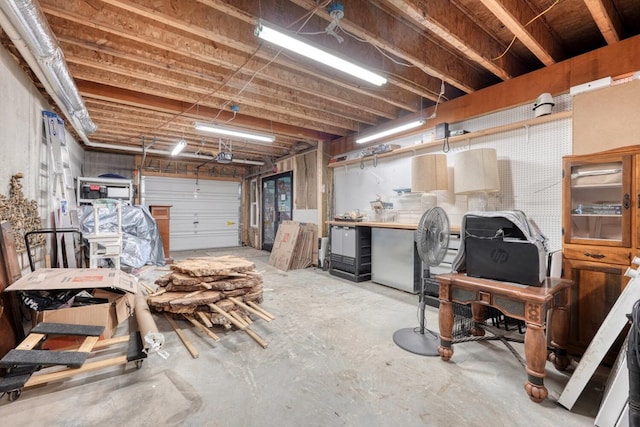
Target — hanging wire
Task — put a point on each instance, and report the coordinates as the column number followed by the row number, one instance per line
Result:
column 528, row 23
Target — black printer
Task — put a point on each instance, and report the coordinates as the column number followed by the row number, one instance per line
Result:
column 502, row 245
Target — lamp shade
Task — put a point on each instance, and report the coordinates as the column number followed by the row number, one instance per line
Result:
column 429, row 173
column 476, row 171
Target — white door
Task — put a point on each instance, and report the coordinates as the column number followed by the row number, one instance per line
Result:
column 210, row 220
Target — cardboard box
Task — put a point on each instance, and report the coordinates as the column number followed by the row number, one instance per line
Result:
column 115, row 285
column 284, row 244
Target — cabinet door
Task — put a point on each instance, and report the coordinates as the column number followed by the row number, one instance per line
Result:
column 336, row 240
column 597, row 200
column 596, row 288
column 349, row 239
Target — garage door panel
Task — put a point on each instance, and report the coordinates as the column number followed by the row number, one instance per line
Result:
column 208, row 218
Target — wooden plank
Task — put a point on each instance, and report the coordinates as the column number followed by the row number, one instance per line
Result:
column 11, row 329
column 260, row 309
column 182, row 336
column 88, row 344
column 213, row 266
column 233, row 320
column 9, row 253
column 240, row 319
column 204, row 319
column 241, row 325
column 249, row 309
column 30, row 342
column 87, row 367
column 200, row 326
column 100, row 344
column 176, row 303
column 602, row 341
column 256, row 337
column 616, row 392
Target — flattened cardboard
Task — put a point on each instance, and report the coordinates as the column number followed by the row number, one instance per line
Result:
column 47, row 279
column 108, row 283
column 284, row 245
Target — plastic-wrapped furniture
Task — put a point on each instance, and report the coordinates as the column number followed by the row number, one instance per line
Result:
column 104, row 241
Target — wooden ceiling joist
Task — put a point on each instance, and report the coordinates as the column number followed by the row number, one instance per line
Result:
column 521, row 21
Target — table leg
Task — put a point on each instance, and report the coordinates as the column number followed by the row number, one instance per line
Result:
column 535, row 351
column 558, row 324
column 477, row 312
column 445, row 319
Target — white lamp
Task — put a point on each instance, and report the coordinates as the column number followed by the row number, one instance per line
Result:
column 238, row 133
column 476, row 174
column 282, row 38
column 429, row 173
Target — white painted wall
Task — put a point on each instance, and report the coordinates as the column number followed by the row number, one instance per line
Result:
column 529, row 161
column 21, row 135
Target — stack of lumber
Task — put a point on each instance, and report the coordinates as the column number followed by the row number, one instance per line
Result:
column 210, row 291
column 295, row 246
column 196, row 284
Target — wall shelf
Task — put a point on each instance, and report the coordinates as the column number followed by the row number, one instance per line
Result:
column 414, row 149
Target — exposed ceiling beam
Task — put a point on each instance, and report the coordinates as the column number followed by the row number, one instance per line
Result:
column 230, row 59
column 145, row 100
column 183, row 15
column 457, row 29
column 606, row 18
column 379, row 29
column 517, row 17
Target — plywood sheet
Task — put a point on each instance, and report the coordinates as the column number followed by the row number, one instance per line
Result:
column 606, row 118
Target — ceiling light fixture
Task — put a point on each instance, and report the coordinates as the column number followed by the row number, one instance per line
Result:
column 248, row 162
column 179, row 147
column 279, row 37
column 222, row 130
column 392, row 131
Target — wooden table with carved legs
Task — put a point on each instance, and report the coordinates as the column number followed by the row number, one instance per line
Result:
column 522, row 302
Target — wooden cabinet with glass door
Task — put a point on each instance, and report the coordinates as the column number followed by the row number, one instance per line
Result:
column 598, row 242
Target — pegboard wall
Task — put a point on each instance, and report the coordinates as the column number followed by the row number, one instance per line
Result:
column 529, row 162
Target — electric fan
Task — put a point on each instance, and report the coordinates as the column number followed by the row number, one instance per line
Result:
column 432, row 242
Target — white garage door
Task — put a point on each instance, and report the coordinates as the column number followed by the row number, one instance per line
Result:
column 211, row 220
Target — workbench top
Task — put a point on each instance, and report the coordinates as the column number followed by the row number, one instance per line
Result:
column 396, row 225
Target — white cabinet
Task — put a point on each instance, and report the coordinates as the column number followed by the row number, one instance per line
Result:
column 90, row 189
column 394, row 259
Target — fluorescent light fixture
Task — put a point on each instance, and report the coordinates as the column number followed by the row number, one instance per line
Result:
column 179, row 147
column 248, row 162
column 394, row 130
column 269, row 33
column 222, row 130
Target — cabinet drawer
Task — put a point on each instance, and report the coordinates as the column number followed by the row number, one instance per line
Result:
column 607, row 255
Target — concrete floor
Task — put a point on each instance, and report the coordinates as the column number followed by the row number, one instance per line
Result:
column 331, row 361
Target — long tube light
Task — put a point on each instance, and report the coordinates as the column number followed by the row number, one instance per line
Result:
column 392, row 131
column 179, row 147
column 221, row 130
column 269, row 33
column 248, row 162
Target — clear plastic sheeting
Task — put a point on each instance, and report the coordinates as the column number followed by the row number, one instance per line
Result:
column 141, row 243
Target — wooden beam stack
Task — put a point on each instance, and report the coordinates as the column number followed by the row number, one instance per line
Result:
column 209, row 291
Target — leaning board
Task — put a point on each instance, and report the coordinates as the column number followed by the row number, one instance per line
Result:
column 602, row 341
